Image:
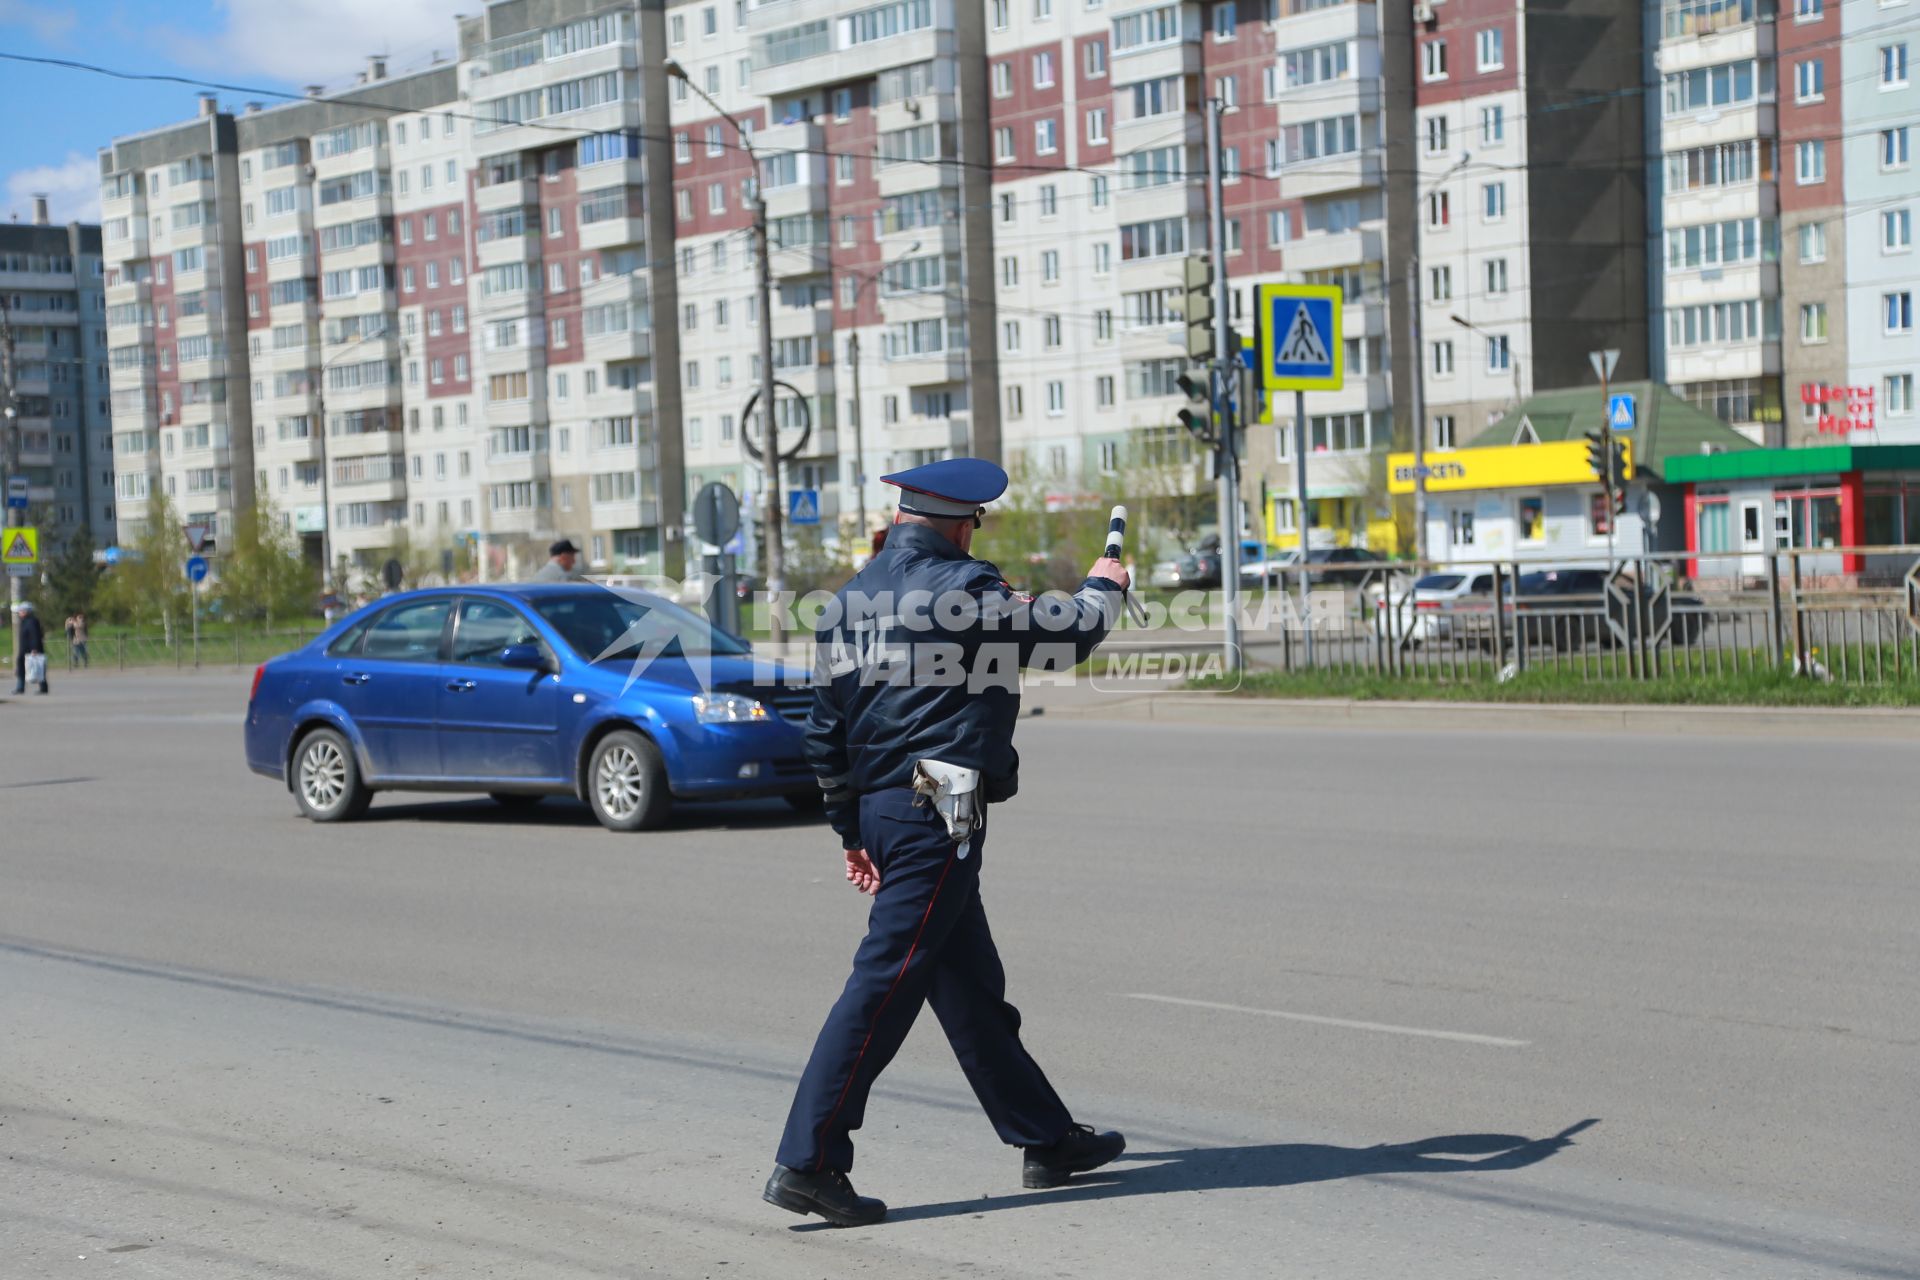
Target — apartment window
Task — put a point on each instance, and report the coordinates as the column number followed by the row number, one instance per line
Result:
column 1056, row 398
column 1043, row 70
column 1443, row 358
column 1499, row 354
column 1016, row 402
column 556, row 277
column 1809, row 10
column 1050, row 332
column 999, row 19
column 1809, row 80
column 1813, row 242
column 1003, row 79
column 1046, row 136
column 1093, row 58
column 1896, row 230
column 1050, row 266
column 1097, row 126
column 1439, row 210
column 1444, row 432
column 716, row 197
column 1279, row 228
column 1009, row 271
column 1893, row 148
column 1493, row 125
column 1439, row 284
column 1042, row 10
column 1897, row 398
column 1008, row 207
column 683, row 203
column 1813, row 322
column 677, row 29
column 1003, row 145
column 1496, row 277
column 1102, row 258
column 1893, row 65
column 1098, row 192
column 1810, row 162
column 1010, row 336
column 1493, row 201
column 1433, row 59
column 1103, row 325
column 557, row 330
column 682, row 148
column 1436, row 135
column 1492, row 48
column 1227, row 89
column 1897, row 311
column 1103, row 391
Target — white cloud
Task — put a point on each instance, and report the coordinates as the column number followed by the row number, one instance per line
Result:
column 47, row 23
column 72, row 189
column 320, row 41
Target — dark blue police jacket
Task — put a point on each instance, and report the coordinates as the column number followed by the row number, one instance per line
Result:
column 920, row 658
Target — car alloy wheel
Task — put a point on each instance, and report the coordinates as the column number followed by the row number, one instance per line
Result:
column 323, row 774
column 622, row 783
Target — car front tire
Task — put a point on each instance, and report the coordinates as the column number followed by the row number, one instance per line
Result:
column 626, row 783
column 326, row 778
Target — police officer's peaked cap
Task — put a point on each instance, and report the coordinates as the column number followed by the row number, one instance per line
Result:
column 955, row 487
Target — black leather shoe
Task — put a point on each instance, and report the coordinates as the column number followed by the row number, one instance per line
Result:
column 1081, row 1151
column 827, row 1193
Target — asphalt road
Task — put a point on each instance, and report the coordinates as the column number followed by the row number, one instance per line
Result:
column 1367, row 1002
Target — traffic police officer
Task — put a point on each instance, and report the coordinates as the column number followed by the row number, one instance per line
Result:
column 916, row 693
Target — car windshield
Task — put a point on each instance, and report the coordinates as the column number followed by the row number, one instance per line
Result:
column 604, row 625
column 1440, row 582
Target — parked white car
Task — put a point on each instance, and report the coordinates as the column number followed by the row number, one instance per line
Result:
column 1431, row 611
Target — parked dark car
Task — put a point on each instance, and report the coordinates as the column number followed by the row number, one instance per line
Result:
column 1571, row 608
column 1343, row 566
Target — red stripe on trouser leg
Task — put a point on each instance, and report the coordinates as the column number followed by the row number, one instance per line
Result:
column 912, row 947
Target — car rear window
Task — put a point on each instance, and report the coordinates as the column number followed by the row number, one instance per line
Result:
column 348, row 641
column 1440, row 582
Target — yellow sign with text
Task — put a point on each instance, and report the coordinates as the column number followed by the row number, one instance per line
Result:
column 1512, row 466
column 19, row 546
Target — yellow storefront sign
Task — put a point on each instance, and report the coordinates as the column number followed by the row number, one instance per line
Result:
column 1513, row 466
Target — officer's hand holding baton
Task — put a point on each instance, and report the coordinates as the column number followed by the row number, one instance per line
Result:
column 1108, row 566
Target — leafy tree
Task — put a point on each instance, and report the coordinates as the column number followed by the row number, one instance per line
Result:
column 150, row 585
column 263, row 575
column 72, row 577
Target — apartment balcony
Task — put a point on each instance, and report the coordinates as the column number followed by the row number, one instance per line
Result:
column 811, row 60
column 132, row 292
column 927, row 370
column 305, row 266
column 1718, row 204
column 382, row 396
column 910, row 175
column 625, row 513
column 1174, row 58
column 378, row 253
column 1692, row 286
column 620, row 402
column 137, row 378
column 504, row 251
column 617, row 233
column 1716, row 125
column 522, row 521
column 1168, row 200
column 802, row 260
column 1325, row 251
column 1354, row 95
column 1353, row 171
column 610, row 117
column 1753, row 358
column 796, row 198
column 497, row 306
column 293, row 449
column 517, row 194
column 1706, row 33
column 635, row 343
column 516, row 413
column 1315, row 27
column 1186, row 128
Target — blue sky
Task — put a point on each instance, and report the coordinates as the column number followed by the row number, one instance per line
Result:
column 53, row 121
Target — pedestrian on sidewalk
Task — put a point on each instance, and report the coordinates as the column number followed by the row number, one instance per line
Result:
column 78, row 638
column 30, row 664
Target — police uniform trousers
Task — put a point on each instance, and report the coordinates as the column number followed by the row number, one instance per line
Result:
column 927, row 940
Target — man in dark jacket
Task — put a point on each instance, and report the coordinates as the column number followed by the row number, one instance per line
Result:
column 917, row 673
column 33, row 640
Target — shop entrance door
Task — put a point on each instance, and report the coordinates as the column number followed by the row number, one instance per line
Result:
column 1753, row 538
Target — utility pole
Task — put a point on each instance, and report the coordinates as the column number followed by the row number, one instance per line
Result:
column 10, row 407
column 859, row 439
column 1225, row 386
column 763, row 264
column 1419, row 412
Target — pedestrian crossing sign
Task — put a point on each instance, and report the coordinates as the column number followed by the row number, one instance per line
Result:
column 19, row 546
column 1620, row 411
column 803, row 506
column 1301, row 346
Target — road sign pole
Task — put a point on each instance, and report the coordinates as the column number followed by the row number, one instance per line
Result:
column 1419, row 413
column 10, row 423
column 1225, row 360
column 1301, row 519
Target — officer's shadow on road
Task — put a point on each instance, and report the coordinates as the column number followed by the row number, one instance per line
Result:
column 1280, row 1164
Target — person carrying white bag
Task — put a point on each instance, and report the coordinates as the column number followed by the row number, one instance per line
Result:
column 30, row 664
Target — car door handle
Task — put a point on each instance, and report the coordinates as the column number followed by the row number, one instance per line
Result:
column 459, row 686
column 356, row 677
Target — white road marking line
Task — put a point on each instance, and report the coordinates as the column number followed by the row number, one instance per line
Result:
column 1465, row 1037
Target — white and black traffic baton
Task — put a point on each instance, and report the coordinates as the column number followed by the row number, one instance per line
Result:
column 1116, row 538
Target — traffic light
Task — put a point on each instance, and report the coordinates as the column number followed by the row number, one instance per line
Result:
column 1197, row 416
column 1199, row 308
column 1597, row 455
column 1617, row 476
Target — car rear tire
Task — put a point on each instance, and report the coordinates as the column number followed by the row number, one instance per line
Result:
column 514, row 801
column 326, row 778
column 626, row 783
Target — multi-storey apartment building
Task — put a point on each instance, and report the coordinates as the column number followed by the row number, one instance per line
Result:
column 1531, row 202
column 1875, row 145
column 52, row 306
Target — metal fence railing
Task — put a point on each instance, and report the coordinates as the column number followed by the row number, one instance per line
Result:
column 124, row 651
column 1841, row 614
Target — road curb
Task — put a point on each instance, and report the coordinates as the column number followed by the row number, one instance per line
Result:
column 1310, row 713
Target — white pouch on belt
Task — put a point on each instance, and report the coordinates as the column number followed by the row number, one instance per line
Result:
column 954, row 792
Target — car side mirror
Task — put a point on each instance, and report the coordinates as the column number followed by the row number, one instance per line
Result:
column 524, row 657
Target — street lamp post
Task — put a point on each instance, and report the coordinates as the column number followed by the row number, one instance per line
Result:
column 859, row 410
column 326, row 500
column 10, row 423
column 775, row 514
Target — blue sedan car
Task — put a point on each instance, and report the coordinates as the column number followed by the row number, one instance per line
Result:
column 620, row 698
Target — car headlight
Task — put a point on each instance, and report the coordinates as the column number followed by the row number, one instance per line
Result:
column 728, row 708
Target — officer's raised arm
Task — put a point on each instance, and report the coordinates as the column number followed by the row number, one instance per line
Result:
column 1044, row 626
